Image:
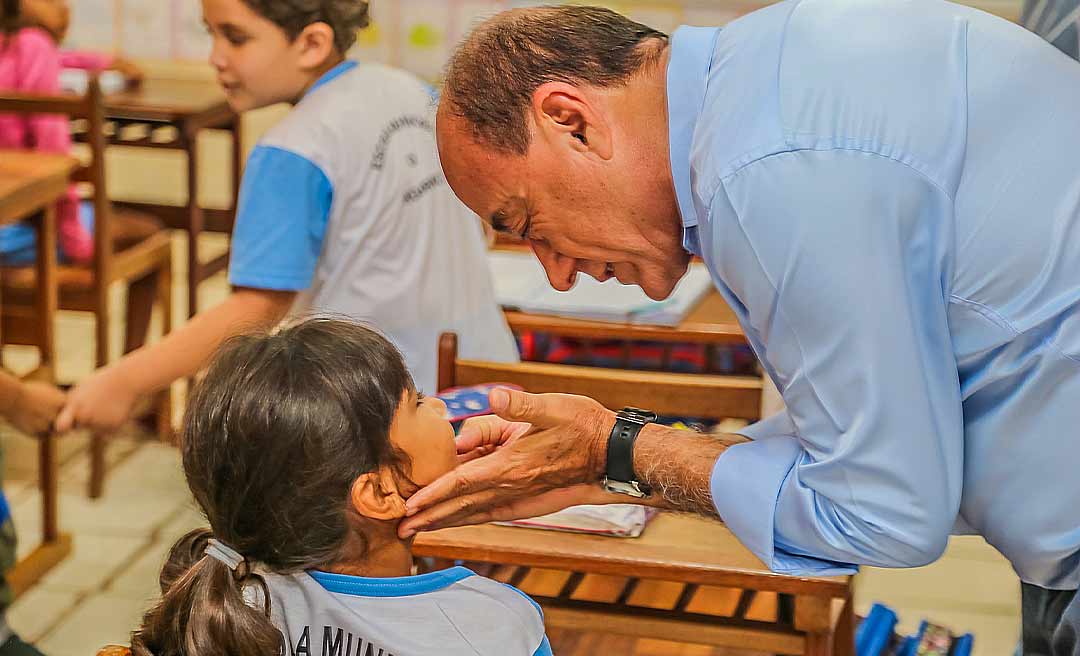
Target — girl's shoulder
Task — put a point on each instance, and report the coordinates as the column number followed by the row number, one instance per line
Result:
column 29, row 41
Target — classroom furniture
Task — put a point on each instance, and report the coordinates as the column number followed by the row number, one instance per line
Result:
column 170, row 114
column 815, row 614
column 129, row 248
column 30, row 184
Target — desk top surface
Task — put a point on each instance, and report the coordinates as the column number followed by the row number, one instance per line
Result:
column 167, row 100
column 673, row 547
column 29, row 180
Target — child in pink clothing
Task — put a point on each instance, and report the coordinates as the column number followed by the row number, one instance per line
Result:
column 30, row 63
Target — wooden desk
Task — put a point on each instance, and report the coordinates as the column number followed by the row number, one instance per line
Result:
column 711, row 322
column 30, row 184
column 170, row 114
column 678, row 548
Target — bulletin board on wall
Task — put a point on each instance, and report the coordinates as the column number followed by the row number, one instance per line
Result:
column 417, row 35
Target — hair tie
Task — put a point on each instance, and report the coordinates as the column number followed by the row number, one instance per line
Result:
column 223, row 553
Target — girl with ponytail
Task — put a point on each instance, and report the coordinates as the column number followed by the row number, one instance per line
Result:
column 301, row 449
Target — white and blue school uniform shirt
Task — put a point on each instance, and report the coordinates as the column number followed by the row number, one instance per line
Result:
column 344, row 201
column 887, row 194
column 452, row 612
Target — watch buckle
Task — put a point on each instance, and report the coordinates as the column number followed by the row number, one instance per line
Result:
column 629, row 488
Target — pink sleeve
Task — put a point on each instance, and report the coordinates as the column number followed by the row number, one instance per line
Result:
column 85, row 60
column 39, row 72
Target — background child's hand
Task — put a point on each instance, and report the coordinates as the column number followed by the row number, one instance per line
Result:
column 131, row 72
column 102, row 402
column 35, row 408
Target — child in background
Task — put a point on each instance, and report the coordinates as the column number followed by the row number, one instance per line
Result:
column 301, row 449
column 54, row 16
column 343, row 208
column 30, row 63
column 30, row 408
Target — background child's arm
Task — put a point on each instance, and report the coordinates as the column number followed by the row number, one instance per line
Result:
column 30, row 407
column 105, row 400
column 98, row 61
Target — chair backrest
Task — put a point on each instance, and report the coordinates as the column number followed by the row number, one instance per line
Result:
column 679, row 395
column 114, row 650
column 91, row 108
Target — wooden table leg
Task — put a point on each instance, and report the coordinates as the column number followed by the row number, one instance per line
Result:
column 195, row 220
column 47, row 299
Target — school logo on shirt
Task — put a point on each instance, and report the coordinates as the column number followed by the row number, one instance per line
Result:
column 405, row 154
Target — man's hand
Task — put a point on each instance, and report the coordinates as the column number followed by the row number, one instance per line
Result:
column 555, row 464
column 480, row 436
column 35, row 407
column 102, row 402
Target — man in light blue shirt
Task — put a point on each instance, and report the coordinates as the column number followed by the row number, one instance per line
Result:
column 1057, row 21
column 886, row 193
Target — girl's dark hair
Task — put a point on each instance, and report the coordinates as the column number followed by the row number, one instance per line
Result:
column 10, row 18
column 274, row 437
column 345, row 17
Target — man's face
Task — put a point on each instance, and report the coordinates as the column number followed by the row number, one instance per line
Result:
column 579, row 213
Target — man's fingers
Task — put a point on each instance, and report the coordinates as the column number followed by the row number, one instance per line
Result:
column 479, row 432
column 448, row 513
column 469, row 477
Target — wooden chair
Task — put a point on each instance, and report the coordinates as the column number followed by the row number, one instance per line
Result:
column 129, row 247
column 705, row 586
column 114, row 650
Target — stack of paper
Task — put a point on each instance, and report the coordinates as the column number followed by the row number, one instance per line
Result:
column 617, row 520
column 520, row 283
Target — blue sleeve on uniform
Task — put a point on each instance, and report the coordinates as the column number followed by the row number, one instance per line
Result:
column 283, row 210
column 545, row 647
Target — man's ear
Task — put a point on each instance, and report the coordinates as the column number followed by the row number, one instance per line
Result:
column 375, row 496
column 316, row 44
column 570, row 116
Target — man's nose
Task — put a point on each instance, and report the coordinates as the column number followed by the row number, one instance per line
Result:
column 561, row 270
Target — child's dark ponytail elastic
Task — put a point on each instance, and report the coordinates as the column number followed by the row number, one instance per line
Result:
column 208, row 593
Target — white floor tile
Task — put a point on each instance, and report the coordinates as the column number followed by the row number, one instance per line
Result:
column 39, row 609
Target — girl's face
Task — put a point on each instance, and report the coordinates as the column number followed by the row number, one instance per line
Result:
column 256, row 63
column 421, row 430
column 53, row 16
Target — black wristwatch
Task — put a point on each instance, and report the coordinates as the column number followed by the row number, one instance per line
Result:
column 619, row 476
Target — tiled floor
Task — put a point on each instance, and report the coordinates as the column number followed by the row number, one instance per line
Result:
column 98, row 595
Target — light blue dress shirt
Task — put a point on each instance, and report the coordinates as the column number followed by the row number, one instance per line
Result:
column 887, row 193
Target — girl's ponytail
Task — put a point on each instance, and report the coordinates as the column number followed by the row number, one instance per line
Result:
column 10, row 18
column 204, row 609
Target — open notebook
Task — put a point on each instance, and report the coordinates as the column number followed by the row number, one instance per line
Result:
column 520, row 283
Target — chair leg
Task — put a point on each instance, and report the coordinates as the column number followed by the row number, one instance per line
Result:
column 97, row 441
column 165, row 299
column 140, row 308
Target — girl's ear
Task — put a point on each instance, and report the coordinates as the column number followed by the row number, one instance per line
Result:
column 316, row 45
column 375, row 496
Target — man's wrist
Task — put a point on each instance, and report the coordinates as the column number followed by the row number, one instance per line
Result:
column 598, row 446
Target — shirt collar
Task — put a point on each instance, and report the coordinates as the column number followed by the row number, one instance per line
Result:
column 687, row 77
column 343, row 67
column 401, row 586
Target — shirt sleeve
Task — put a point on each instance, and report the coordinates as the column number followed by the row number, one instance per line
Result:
column 841, row 259
column 39, row 72
column 284, row 207
column 544, row 649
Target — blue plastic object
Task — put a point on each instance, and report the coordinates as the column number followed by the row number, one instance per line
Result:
column 876, row 630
